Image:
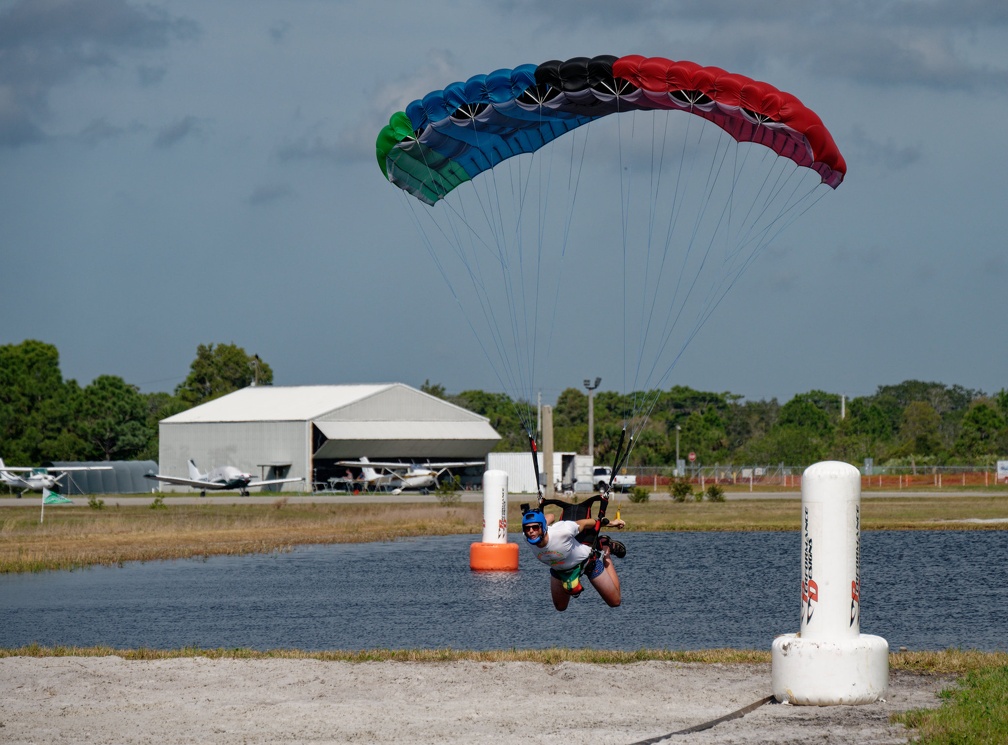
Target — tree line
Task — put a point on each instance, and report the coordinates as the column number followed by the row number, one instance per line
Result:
column 910, row 423
column 46, row 418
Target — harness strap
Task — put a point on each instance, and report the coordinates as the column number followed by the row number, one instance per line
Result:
column 571, row 578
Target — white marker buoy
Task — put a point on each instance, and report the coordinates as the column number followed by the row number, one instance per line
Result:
column 494, row 553
column 829, row 661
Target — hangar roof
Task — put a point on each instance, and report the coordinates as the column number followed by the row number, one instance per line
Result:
column 277, row 403
column 373, row 402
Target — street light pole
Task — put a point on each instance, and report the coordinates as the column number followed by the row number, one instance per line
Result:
column 678, row 429
column 591, row 415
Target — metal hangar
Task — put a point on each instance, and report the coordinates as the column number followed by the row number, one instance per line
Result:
column 302, row 431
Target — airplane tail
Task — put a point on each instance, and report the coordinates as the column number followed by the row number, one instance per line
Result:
column 369, row 474
column 194, row 473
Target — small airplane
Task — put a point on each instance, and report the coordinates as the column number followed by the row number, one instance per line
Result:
column 36, row 479
column 400, row 476
column 218, row 479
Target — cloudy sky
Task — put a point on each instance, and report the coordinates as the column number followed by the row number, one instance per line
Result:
column 189, row 172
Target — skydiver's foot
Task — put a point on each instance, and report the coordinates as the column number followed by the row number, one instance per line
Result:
column 616, row 548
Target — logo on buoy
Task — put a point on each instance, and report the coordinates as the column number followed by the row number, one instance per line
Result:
column 855, row 605
column 809, row 588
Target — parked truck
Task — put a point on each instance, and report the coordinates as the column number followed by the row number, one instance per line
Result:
column 622, row 482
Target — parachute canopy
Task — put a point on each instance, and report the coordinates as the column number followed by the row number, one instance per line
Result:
column 612, row 246
column 451, row 135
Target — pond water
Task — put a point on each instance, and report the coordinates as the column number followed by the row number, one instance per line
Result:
column 921, row 590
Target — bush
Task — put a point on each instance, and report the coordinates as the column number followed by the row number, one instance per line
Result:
column 94, row 503
column 158, row 503
column 639, row 494
column 714, row 493
column 681, row 489
column 447, row 491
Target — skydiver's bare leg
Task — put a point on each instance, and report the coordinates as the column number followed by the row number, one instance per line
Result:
column 607, row 584
column 561, row 598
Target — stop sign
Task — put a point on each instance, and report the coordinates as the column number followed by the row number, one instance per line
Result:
column 692, row 457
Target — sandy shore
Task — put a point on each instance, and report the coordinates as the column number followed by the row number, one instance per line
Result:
column 111, row 700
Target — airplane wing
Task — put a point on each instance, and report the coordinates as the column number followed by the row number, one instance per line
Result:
column 185, row 482
column 400, row 466
column 271, row 482
column 391, row 465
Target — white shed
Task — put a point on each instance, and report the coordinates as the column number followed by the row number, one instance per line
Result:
column 301, row 431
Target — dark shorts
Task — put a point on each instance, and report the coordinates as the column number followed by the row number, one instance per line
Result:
column 592, row 570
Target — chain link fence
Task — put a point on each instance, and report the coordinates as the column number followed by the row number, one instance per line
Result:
column 889, row 478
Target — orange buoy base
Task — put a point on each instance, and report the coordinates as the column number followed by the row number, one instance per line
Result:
column 493, row 557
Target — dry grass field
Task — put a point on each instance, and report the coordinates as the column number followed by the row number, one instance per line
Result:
column 78, row 536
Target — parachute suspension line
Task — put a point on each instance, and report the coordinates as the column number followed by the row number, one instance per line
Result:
column 758, row 238
column 645, row 401
column 684, row 287
column 520, row 362
column 676, row 205
column 517, row 361
column 574, row 171
column 492, row 190
column 472, row 267
column 646, row 312
column 731, row 270
column 437, row 261
column 625, row 227
column 647, row 309
column 531, row 315
column 544, row 176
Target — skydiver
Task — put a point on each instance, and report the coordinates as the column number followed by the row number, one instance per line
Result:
column 557, row 546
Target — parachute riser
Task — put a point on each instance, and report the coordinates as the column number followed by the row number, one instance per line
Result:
column 535, row 466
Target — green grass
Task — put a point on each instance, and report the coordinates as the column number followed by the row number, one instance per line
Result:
column 975, row 711
column 551, row 656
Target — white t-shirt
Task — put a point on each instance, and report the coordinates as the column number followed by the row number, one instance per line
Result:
column 562, row 551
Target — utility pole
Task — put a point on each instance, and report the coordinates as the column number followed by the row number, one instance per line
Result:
column 539, row 416
column 591, row 416
column 678, row 429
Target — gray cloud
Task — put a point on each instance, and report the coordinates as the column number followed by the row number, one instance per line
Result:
column 313, row 148
column 278, row 31
column 174, row 133
column 98, row 131
column 269, row 193
column 46, row 43
column 883, row 42
column 889, row 154
column 148, row 75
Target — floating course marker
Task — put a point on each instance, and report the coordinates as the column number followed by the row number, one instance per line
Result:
column 829, row 661
column 494, row 553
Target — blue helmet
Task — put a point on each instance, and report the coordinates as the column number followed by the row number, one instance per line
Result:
column 534, row 517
